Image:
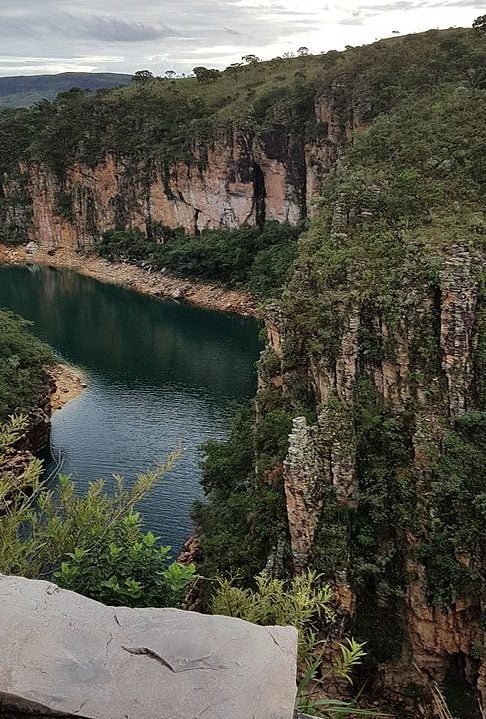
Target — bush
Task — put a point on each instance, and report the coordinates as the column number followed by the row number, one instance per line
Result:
column 92, row 544
column 307, row 605
column 133, row 570
column 255, row 258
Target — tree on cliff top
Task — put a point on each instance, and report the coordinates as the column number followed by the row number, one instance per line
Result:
column 142, row 76
column 205, row 74
column 480, row 23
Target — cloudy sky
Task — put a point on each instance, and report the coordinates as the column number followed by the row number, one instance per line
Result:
column 48, row 36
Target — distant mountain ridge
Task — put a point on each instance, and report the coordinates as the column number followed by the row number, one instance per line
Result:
column 25, row 90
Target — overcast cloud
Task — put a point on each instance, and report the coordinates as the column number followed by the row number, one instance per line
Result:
column 47, row 36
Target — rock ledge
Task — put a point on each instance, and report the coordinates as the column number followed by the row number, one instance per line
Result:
column 64, row 654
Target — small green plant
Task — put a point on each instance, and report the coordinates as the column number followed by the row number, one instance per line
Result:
column 348, row 655
column 307, row 605
column 133, row 570
column 301, row 603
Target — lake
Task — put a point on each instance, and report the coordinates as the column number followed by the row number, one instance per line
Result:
column 159, row 374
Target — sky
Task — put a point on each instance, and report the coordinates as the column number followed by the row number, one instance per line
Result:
column 48, row 36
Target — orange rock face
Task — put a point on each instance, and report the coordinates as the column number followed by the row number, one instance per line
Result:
column 232, row 183
column 238, row 180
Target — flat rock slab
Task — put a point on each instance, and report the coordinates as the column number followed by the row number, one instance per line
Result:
column 61, row 653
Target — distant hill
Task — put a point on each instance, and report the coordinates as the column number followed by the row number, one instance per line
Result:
column 25, row 90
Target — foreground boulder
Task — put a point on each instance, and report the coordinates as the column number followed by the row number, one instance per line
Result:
column 61, row 653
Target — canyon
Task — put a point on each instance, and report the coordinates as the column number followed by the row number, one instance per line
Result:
column 374, row 364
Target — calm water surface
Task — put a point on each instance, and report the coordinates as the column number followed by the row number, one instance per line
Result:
column 158, row 374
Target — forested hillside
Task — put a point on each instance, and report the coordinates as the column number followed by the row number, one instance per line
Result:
column 245, row 146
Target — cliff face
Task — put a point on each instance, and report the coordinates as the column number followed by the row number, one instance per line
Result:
column 380, row 342
column 328, row 457
column 240, row 179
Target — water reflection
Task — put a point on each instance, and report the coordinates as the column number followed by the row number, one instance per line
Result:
column 158, row 373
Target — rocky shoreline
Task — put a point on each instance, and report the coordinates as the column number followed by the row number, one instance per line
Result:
column 63, row 384
column 155, row 284
column 69, row 383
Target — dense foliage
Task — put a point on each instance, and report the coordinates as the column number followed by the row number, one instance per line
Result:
column 22, row 365
column 372, row 79
column 92, row 544
column 455, row 551
column 236, row 523
column 406, row 193
column 256, row 258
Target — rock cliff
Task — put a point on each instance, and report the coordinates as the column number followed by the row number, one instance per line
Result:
column 329, row 456
column 377, row 352
column 239, row 179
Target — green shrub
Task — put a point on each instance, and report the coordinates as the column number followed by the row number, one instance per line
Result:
column 23, row 359
column 91, row 544
column 255, row 258
column 133, row 570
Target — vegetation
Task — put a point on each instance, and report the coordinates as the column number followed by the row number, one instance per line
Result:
column 307, row 604
column 182, row 115
column 255, row 258
column 92, row 544
column 237, row 523
column 455, row 554
column 23, row 359
column 405, row 195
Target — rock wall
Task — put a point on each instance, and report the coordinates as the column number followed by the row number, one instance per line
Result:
column 429, row 389
column 240, row 179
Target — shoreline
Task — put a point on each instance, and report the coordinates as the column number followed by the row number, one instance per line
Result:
column 70, row 383
column 63, row 384
column 155, row 284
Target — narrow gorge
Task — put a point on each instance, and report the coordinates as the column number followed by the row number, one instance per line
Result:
column 363, row 454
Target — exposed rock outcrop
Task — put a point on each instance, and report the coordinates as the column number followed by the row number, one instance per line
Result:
column 420, row 369
column 240, row 178
column 70, row 655
column 304, row 488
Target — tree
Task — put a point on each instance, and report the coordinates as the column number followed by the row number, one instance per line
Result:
column 480, row 23
column 170, row 74
column 23, row 359
column 303, row 51
column 234, row 68
column 250, row 59
column 288, row 55
column 205, row 74
column 142, row 76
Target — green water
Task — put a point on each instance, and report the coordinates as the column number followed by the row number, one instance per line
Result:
column 159, row 373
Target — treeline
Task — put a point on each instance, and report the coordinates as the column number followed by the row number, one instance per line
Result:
column 159, row 120
column 253, row 258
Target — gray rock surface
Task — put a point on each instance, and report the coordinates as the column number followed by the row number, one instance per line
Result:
column 61, row 653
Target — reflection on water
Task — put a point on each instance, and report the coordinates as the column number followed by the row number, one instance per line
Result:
column 159, row 373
